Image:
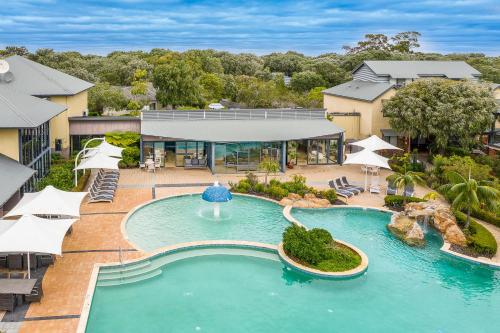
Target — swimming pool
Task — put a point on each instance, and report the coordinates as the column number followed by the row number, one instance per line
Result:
column 189, row 218
column 405, row 289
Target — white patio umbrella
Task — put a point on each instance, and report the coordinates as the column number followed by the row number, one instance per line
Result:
column 374, row 143
column 49, row 201
column 106, row 149
column 99, row 161
column 367, row 158
column 33, row 234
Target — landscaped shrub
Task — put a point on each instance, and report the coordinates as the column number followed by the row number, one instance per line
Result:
column 330, row 195
column 130, row 157
column 396, row 201
column 61, row 176
column 486, row 216
column 492, row 161
column 276, row 192
column 480, row 241
column 316, row 248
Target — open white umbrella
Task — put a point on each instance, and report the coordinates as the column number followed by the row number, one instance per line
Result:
column 375, row 143
column 33, row 234
column 106, row 149
column 99, row 161
column 367, row 158
column 49, row 201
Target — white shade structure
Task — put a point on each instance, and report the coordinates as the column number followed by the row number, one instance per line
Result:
column 374, row 143
column 49, row 201
column 33, row 234
column 106, row 149
column 367, row 158
column 99, row 161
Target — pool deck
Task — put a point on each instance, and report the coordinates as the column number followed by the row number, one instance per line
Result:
column 97, row 236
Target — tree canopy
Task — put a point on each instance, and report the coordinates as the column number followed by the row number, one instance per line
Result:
column 442, row 110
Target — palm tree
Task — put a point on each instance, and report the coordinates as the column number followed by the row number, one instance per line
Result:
column 406, row 180
column 269, row 166
column 470, row 194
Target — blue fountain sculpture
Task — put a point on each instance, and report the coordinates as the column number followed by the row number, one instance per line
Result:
column 216, row 194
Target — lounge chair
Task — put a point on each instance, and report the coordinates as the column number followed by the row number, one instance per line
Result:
column 35, row 295
column 342, row 193
column 391, row 188
column 409, row 191
column 375, row 187
column 347, row 184
column 96, row 190
column 342, row 187
column 44, row 260
column 15, row 261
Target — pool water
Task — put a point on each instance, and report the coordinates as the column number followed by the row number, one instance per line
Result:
column 405, row 290
column 190, row 218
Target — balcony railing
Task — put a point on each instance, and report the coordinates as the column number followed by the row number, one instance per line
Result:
column 235, row 114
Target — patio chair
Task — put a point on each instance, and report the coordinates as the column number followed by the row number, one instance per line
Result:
column 4, row 275
column 142, row 165
column 342, row 193
column 347, row 184
column 3, row 261
column 342, row 187
column 32, row 261
column 7, row 302
column 15, row 261
column 101, row 188
column 151, row 167
column 391, row 188
column 44, row 260
column 35, row 295
column 409, row 191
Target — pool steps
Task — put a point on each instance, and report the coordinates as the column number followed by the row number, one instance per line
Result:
column 129, row 279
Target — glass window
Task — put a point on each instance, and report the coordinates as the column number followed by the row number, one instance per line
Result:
column 334, row 150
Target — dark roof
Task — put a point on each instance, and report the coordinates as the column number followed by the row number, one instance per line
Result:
column 35, row 79
column 421, row 68
column 12, row 177
column 18, row 110
column 360, row 90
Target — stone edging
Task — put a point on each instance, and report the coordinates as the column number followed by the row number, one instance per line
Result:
column 478, row 261
column 361, row 269
column 84, row 316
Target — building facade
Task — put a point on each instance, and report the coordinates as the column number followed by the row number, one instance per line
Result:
column 357, row 105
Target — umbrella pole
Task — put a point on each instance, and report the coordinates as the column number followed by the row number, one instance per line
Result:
column 366, row 176
column 29, row 267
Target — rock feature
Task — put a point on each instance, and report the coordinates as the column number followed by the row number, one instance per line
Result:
column 438, row 215
column 407, row 229
column 308, row 201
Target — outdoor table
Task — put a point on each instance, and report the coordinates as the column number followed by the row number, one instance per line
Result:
column 12, row 291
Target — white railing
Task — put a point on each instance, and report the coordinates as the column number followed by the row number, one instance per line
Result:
column 236, row 114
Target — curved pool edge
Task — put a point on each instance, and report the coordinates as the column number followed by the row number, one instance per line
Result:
column 352, row 273
column 164, row 251
column 482, row 261
column 125, row 219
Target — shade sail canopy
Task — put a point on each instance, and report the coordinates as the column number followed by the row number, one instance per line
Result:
column 240, row 130
column 106, row 149
column 367, row 157
column 99, row 161
column 49, row 201
column 34, row 234
column 217, row 193
column 375, row 143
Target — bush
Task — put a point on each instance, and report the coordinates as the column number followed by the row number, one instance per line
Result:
column 330, row 195
column 61, row 176
column 276, row 192
column 130, row 157
column 316, row 248
column 396, row 201
column 480, row 241
column 486, row 216
column 243, row 186
column 492, row 161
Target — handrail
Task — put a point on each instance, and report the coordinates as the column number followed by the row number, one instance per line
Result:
column 234, row 114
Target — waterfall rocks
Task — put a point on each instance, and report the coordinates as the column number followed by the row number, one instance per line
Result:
column 406, row 229
column 438, row 215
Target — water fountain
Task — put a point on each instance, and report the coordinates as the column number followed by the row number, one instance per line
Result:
column 217, row 194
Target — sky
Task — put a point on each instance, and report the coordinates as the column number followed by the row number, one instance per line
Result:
column 261, row 27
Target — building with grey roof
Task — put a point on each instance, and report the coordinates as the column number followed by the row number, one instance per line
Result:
column 12, row 178
column 359, row 90
column 228, row 141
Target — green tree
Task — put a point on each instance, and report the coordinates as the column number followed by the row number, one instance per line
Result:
column 330, row 71
column 177, row 84
column 103, row 95
column 315, row 97
column 371, row 42
column 469, row 194
column 405, row 180
column 405, row 42
column 139, row 84
column 305, row 81
column 287, row 63
column 269, row 166
column 213, row 87
column 442, row 110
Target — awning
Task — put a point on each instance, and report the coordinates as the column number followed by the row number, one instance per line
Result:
column 13, row 175
column 240, row 130
column 49, row 201
column 99, row 161
column 373, row 143
column 106, row 149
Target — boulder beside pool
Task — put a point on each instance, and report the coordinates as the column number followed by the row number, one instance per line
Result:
column 406, row 229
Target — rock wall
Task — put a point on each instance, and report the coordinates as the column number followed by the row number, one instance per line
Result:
column 308, row 201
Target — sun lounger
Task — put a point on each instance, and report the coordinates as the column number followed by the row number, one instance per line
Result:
column 342, row 193
column 391, row 188
column 409, row 191
column 339, row 184
column 347, row 184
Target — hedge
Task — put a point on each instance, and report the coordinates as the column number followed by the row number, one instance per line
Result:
column 396, row 201
column 480, row 240
column 486, row 216
column 316, row 248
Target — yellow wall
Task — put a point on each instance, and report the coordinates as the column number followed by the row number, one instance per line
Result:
column 9, row 142
column 371, row 120
column 59, row 125
column 350, row 124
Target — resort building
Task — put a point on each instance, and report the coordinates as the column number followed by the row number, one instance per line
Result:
column 231, row 141
column 35, row 102
column 356, row 105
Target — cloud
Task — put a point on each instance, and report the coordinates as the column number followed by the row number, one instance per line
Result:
column 311, row 27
